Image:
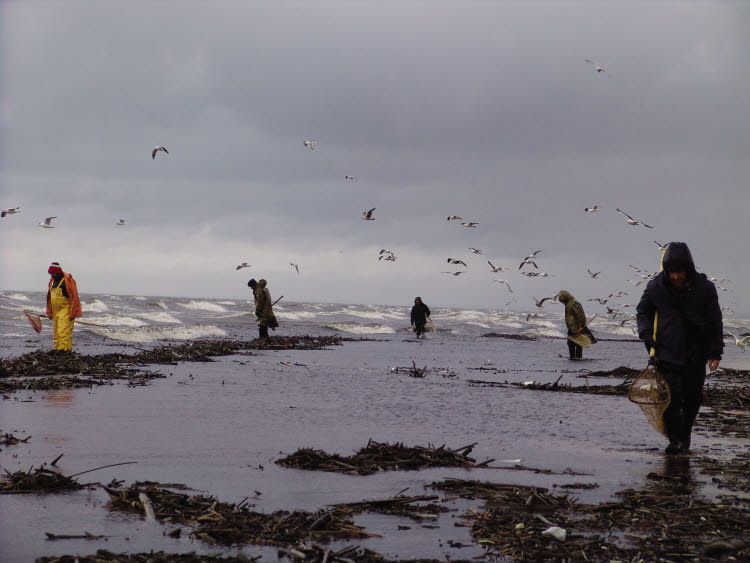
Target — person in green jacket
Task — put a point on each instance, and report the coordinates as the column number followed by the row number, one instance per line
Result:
column 575, row 320
column 263, row 307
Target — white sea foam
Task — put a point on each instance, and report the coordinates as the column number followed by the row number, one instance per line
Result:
column 151, row 333
column 159, row 304
column 376, row 315
column 361, row 329
column 295, row 316
column 203, row 306
column 17, row 297
column 140, row 298
column 158, row 317
column 94, row 306
column 234, row 315
column 115, row 320
column 230, row 303
column 549, row 332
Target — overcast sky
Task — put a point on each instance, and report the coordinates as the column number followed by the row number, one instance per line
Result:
column 486, row 110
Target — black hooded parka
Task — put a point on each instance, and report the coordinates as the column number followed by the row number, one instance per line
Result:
column 689, row 328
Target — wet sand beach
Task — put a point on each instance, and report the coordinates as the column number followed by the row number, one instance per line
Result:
column 218, row 427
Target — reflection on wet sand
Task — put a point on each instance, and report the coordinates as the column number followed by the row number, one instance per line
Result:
column 64, row 398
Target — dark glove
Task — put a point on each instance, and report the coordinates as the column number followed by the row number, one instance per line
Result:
column 650, row 343
column 652, row 361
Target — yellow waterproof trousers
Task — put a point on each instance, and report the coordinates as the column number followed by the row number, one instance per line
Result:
column 62, row 324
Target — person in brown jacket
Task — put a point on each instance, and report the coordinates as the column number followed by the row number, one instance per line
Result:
column 63, row 306
column 263, row 307
column 575, row 320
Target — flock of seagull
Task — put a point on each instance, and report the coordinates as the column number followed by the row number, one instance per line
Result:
column 530, row 260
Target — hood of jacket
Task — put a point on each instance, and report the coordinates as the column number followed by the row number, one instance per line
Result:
column 564, row 296
column 678, row 258
column 262, row 284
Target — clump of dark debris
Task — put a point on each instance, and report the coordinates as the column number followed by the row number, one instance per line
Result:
column 40, row 480
column 509, row 336
column 376, row 457
column 11, row 440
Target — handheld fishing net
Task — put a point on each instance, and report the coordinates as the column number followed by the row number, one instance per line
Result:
column 650, row 391
column 35, row 320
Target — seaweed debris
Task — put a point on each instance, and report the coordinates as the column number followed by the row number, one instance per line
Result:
column 510, row 336
column 663, row 521
column 376, row 457
column 11, row 440
column 41, row 480
column 224, row 523
column 60, row 370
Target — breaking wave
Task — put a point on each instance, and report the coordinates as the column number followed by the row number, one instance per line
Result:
column 151, row 334
column 159, row 317
column 17, row 297
column 203, row 306
column 94, row 306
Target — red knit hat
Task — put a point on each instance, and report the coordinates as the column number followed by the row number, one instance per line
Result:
column 54, row 268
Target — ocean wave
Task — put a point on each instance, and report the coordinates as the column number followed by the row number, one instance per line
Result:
column 17, row 297
column 295, row 316
column 230, row 303
column 158, row 317
column 548, row 332
column 159, row 304
column 94, row 306
column 203, row 306
column 151, row 333
column 376, row 315
column 361, row 329
column 116, row 320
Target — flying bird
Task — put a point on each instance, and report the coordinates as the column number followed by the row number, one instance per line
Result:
column 47, row 223
column 540, row 302
column 741, row 341
column 662, row 247
column 593, row 274
column 388, row 257
column 496, row 269
column 350, row 178
column 157, row 149
column 469, row 224
column 454, row 261
column 475, row 250
column 593, row 209
column 295, row 266
column 367, row 215
column 10, row 211
column 454, row 218
column 455, row 273
column 531, row 274
column 243, row 265
column 598, row 68
column 503, row 281
column 310, row 144
column 599, row 300
column 530, row 260
column 121, row 222
column 632, row 221
column 618, row 294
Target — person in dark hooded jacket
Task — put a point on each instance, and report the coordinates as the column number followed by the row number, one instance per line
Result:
column 419, row 315
column 689, row 334
column 263, row 308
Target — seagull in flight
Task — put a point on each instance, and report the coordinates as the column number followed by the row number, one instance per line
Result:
column 540, row 302
column 454, row 218
column 593, row 209
column 388, row 257
column 593, row 274
column 455, row 273
column 741, row 341
column 47, row 223
column 10, row 211
column 243, row 265
column 367, row 215
column 632, row 221
column 310, row 144
column 295, row 266
column 530, row 259
column 503, row 281
column 157, row 149
column 121, row 222
column 496, row 269
column 662, row 247
column 599, row 300
column 618, row 294
column 454, row 261
column 347, row 177
column 470, row 224
column 598, row 68
column 475, row 250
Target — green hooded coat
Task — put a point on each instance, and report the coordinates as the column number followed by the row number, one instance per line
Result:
column 263, row 309
column 575, row 318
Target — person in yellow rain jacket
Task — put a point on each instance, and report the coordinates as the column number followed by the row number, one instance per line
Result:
column 63, row 306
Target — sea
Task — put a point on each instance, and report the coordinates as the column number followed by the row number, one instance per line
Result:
column 219, row 426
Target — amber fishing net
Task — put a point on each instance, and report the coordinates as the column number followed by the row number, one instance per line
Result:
column 650, row 391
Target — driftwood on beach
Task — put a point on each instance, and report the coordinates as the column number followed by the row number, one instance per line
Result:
column 39, row 480
column 376, row 457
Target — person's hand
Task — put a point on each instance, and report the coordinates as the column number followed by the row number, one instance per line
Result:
column 713, row 365
column 650, row 343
